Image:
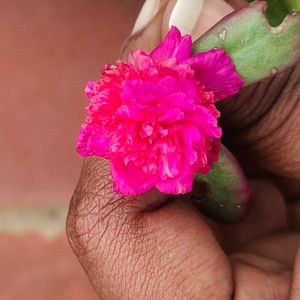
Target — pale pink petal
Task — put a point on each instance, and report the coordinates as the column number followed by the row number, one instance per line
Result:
column 130, row 180
column 216, row 72
column 169, row 165
column 173, row 45
column 181, row 184
column 140, row 59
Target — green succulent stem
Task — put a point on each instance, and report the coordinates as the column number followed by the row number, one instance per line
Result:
column 227, row 191
column 278, row 9
column 257, row 50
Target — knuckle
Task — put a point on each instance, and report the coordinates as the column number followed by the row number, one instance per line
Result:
column 92, row 207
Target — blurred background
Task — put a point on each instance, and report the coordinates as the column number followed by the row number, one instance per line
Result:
column 48, row 50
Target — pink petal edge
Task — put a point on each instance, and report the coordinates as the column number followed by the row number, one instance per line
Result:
column 173, row 45
column 215, row 70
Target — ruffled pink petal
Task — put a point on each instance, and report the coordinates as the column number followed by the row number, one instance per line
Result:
column 92, row 141
column 129, row 179
column 146, row 91
column 216, row 72
column 179, row 170
column 181, row 184
column 140, row 59
column 169, row 165
column 172, row 116
column 180, row 101
column 154, row 117
column 173, row 45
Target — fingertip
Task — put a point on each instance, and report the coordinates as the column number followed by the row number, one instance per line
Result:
column 196, row 17
column 148, row 11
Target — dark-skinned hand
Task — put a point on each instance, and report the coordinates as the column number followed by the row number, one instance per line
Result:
column 154, row 247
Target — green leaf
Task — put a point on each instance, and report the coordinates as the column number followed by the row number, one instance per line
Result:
column 278, row 9
column 257, row 49
column 227, row 191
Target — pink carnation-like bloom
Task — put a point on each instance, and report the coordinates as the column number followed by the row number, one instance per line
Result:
column 154, row 116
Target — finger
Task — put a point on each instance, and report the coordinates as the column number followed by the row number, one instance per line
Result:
column 196, row 17
column 130, row 253
column 259, row 274
column 147, row 13
column 265, row 267
column 267, row 213
column 237, row 3
column 281, row 246
column 295, row 289
column 262, row 123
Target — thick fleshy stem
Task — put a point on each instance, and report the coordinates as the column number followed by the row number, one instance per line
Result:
column 223, row 193
column 258, row 50
column 278, row 10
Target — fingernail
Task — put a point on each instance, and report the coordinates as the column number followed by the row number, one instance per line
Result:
column 213, row 11
column 194, row 17
column 185, row 15
column 148, row 11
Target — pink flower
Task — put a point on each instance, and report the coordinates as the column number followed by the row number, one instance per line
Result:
column 154, row 117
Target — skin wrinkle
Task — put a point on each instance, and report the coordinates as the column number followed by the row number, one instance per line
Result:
column 150, row 266
column 277, row 286
column 268, row 123
column 168, row 270
column 259, row 115
column 98, row 216
column 265, row 150
column 262, row 104
column 284, row 120
column 275, row 248
column 261, row 261
column 295, row 291
column 248, row 112
column 278, row 85
column 139, row 266
column 91, row 230
column 156, row 274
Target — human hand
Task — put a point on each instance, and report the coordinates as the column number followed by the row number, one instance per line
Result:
column 150, row 246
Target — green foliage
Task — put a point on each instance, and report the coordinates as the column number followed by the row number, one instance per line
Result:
column 257, row 49
column 278, row 9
